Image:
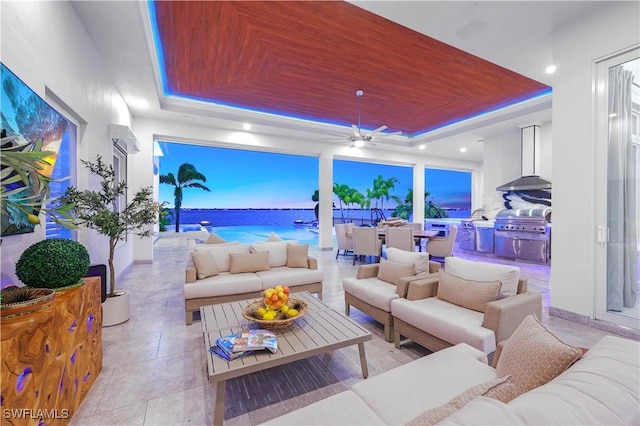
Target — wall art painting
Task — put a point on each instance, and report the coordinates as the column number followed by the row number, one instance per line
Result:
column 31, row 121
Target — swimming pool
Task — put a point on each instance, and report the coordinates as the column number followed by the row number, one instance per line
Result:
column 253, row 233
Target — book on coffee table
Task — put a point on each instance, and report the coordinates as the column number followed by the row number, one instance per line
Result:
column 255, row 340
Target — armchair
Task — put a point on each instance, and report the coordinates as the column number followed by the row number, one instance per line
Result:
column 443, row 310
column 376, row 285
column 442, row 247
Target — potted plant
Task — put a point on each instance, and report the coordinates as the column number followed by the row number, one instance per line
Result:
column 100, row 210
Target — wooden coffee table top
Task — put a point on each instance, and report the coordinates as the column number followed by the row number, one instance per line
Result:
column 312, row 334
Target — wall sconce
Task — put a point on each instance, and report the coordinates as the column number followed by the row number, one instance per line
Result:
column 124, row 138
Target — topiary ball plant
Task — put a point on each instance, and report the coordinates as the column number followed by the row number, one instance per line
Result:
column 53, row 263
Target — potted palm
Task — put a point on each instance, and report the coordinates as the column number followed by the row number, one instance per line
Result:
column 100, row 211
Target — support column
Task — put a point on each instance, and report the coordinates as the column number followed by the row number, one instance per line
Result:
column 325, row 187
column 418, row 193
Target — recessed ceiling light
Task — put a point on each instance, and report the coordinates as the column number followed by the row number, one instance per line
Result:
column 463, row 149
column 550, row 69
column 423, row 146
column 246, row 126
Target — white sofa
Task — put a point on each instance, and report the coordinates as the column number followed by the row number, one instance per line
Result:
column 218, row 273
column 600, row 388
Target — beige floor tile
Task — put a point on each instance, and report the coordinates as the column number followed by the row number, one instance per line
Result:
column 155, row 366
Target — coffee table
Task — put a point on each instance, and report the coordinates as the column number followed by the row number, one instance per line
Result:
column 321, row 330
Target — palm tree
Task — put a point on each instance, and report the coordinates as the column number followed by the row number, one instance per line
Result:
column 405, row 207
column 187, row 175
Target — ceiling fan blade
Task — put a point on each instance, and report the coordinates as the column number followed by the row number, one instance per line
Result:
column 379, row 129
column 392, row 133
column 356, row 131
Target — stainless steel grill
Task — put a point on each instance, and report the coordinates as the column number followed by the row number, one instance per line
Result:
column 523, row 234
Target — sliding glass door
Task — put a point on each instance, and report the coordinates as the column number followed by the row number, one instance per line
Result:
column 618, row 145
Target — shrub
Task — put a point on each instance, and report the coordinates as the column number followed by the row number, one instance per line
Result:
column 53, row 263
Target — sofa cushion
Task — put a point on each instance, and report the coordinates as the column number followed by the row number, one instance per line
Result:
column 402, row 393
column 345, row 408
column 215, row 239
column 290, row 277
column 372, row 291
column 273, row 237
column 484, row 271
column 467, row 293
column 437, row 414
column 277, row 251
column 392, row 271
column 205, row 264
column 249, row 262
column 221, row 253
column 446, row 321
column 297, row 255
column 533, row 356
column 602, row 387
column 223, row 284
column 487, row 411
column 419, row 259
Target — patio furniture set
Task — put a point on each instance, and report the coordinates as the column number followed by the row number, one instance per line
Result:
column 478, row 318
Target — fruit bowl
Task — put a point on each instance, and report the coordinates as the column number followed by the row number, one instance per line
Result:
column 281, row 320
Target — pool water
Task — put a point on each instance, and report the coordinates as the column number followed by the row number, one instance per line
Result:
column 253, row 233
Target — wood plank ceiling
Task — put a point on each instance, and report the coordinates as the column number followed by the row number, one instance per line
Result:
column 306, row 59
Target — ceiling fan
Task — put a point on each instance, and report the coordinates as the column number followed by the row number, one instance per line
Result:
column 360, row 138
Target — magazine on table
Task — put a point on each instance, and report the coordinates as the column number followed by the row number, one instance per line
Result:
column 238, row 345
column 254, row 340
column 217, row 350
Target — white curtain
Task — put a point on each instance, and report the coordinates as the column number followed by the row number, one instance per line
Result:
column 622, row 248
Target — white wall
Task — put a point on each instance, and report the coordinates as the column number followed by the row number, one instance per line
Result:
column 47, row 47
column 577, row 45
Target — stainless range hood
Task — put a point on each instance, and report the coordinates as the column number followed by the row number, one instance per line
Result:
column 530, row 149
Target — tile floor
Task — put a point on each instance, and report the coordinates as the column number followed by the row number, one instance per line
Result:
column 154, row 368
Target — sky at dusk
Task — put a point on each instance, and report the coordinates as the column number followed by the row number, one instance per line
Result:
column 252, row 179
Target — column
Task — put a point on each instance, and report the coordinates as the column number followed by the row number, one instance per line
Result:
column 418, row 192
column 325, row 186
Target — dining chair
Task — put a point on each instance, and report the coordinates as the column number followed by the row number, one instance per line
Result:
column 366, row 242
column 344, row 239
column 442, row 247
column 417, row 227
column 400, row 237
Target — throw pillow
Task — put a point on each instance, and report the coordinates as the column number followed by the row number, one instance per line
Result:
column 437, row 414
column 277, row 252
column 221, row 253
column 467, row 293
column 205, row 264
column 297, row 255
column 419, row 259
column 273, row 237
column 249, row 262
column 391, row 271
column 534, row 356
column 215, row 239
column 483, row 271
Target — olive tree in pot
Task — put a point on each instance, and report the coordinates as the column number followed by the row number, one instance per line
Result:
column 100, row 210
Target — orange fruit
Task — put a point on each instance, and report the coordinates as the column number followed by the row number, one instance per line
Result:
column 268, row 301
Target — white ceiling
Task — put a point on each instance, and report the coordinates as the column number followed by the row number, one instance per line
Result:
column 514, row 34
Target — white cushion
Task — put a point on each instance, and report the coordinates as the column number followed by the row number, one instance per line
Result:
column 446, row 321
column 373, row 291
column 487, row 411
column 221, row 253
column 402, row 393
column 345, row 408
column 419, row 259
column 223, row 284
column 277, row 251
column 289, row 276
column 484, row 271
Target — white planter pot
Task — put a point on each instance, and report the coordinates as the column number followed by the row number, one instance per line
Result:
column 115, row 310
